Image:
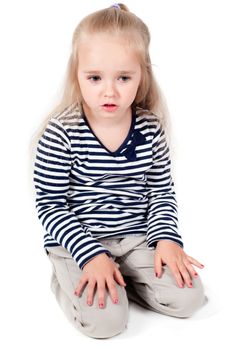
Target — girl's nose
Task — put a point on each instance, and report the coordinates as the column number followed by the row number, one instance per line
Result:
column 109, row 90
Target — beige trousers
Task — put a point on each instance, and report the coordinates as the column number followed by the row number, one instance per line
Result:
column 136, row 263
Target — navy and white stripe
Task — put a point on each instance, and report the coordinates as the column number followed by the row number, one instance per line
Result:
column 85, row 192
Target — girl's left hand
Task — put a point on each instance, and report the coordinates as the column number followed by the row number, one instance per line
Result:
column 180, row 264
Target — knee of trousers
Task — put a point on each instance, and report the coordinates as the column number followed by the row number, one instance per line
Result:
column 106, row 322
column 188, row 300
column 94, row 322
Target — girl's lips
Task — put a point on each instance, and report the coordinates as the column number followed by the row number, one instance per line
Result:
column 109, row 107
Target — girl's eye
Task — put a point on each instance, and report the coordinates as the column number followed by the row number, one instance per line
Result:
column 124, row 78
column 95, row 78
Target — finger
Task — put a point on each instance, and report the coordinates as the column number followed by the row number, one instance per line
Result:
column 190, row 268
column 195, row 262
column 119, row 278
column 90, row 293
column 157, row 265
column 81, row 286
column 112, row 290
column 101, row 293
column 185, row 274
column 176, row 273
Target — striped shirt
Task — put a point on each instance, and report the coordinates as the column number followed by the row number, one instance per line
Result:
column 85, row 192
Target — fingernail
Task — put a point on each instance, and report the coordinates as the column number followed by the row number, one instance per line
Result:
column 190, row 283
column 101, row 305
column 89, row 303
column 156, row 274
column 195, row 274
column 115, row 301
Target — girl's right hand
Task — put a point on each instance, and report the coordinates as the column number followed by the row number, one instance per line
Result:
column 101, row 270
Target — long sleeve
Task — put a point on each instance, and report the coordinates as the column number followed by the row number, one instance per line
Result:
column 162, row 205
column 51, row 180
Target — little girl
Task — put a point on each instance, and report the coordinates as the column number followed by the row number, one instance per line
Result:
column 104, row 191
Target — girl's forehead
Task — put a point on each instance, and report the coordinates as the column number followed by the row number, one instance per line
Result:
column 106, row 51
column 107, row 56
column 106, row 38
column 103, row 45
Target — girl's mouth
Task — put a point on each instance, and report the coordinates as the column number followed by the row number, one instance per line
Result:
column 109, row 107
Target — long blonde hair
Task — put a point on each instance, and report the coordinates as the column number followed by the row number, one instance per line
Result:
column 114, row 21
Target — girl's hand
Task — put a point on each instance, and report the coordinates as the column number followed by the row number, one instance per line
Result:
column 101, row 271
column 180, row 264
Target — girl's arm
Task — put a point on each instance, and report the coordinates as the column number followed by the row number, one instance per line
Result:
column 162, row 208
column 51, row 179
column 162, row 217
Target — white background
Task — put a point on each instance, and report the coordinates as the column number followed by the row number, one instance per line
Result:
column 192, row 57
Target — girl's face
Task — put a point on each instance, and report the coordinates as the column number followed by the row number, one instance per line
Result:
column 108, row 73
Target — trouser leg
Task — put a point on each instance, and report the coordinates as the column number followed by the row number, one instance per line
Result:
column 90, row 320
column 158, row 294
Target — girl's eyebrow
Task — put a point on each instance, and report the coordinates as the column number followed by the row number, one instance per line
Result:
column 99, row 72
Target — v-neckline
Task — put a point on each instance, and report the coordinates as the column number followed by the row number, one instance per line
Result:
column 124, row 143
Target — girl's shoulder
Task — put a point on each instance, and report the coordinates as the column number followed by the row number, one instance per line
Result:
column 152, row 119
column 67, row 116
column 62, row 124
